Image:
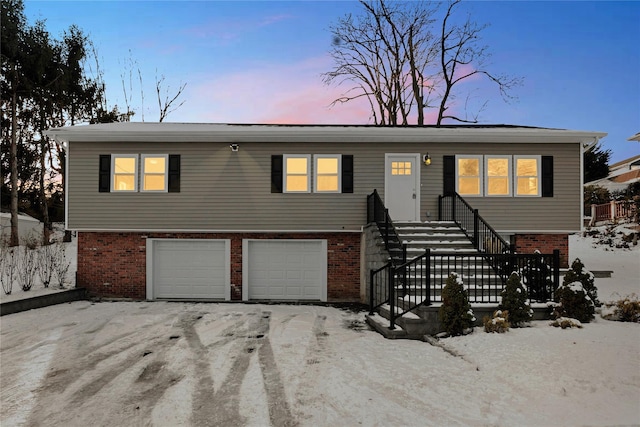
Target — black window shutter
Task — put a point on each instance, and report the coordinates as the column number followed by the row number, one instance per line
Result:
column 174, row 173
column 547, row 176
column 448, row 175
column 276, row 173
column 104, row 173
column 347, row 173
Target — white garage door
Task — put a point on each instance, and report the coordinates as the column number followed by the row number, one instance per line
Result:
column 284, row 269
column 191, row 269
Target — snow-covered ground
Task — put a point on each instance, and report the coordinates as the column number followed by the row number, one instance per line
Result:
column 183, row 364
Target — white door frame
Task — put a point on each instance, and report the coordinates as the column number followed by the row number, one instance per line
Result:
column 387, row 168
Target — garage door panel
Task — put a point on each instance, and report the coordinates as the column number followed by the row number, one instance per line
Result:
column 192, row 269
column 284, row 269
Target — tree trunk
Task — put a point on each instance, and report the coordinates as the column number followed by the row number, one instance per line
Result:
column 43, row 196
column 13, row 160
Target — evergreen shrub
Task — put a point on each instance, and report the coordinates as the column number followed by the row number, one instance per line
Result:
column 455, row 312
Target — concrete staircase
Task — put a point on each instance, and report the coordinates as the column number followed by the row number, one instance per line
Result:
column 441, row 237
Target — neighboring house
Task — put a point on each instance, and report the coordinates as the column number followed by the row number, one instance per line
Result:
column 28, row 227
column 259, row 212
column 621, row 174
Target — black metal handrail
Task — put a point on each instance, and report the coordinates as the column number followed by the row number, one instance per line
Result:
column 485, row 239
column 378, row 213
column 420, row 281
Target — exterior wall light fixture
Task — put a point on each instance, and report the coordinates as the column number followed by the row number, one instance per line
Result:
column 234, row 147
column 426, row 159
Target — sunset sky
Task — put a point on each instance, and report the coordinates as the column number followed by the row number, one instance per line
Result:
column 261, row 61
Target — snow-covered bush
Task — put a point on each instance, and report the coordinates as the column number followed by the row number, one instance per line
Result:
column 455, row 312
column 536, row 275
column 566, row 322
column 514, row 299
column 27, row 267
column 574, row 302
column 626, row 309
column 498, row 323
column 577, row 273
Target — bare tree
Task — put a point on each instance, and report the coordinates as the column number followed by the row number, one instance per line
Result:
column 390, row 55
column 460, row 46
column 165, row 105
column 384, row 54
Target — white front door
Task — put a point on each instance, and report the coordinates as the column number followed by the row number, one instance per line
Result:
column 402, row 186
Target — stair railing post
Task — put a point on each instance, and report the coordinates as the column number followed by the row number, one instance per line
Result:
column 440, row 208
column 386, row 228
column 428, row 274
column 476, row 227
column 404, row 269
column 371, row 277
column 453, row 207
column 392, row 297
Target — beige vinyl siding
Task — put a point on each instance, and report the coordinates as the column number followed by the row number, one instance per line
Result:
column 224, row 190
column 507, row 214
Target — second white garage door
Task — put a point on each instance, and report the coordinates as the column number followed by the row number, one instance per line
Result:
column 284, row 269
column 188, row 269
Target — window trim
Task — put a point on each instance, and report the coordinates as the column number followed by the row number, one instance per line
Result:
column 285, row 157
column 480, row 159
column 338, row 173
column 538, row 176
column 509, row 175
column 113, row 174
column 143, row 173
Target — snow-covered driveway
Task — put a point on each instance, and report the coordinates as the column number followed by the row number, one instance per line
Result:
column 187, row 364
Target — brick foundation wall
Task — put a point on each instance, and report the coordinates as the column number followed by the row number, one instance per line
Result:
column 112, row 264
column 545, row 243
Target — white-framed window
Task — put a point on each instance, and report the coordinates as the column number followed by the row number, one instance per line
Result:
column 527, row 176
column 155, row 174
column 327, row 173
column 297, row 173
column 497, row 175
column 469, row 172
column 124, row 172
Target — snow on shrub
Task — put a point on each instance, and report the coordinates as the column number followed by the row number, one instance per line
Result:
column 498, row 323
column 577, row 273
column 574, row 302
column 536, row 276
column 626, row 309
column 514, row 299
column 455, row 312
column 566, row 322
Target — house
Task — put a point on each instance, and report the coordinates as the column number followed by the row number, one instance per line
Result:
column 29, row 228
column 279, row 212
column 621, row 174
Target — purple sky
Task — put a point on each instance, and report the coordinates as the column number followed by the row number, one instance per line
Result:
column 260, row 62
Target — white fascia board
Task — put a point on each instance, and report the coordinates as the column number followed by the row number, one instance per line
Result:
column 198, row 132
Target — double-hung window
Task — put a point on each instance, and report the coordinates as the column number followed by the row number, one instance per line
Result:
column 124, row 169
column 297, row 176
column 327, row 169
column 154, row 172
column 469, row 176
column 527, row 175
column 497, row 175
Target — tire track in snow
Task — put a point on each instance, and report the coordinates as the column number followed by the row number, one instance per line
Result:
column 23, row 395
